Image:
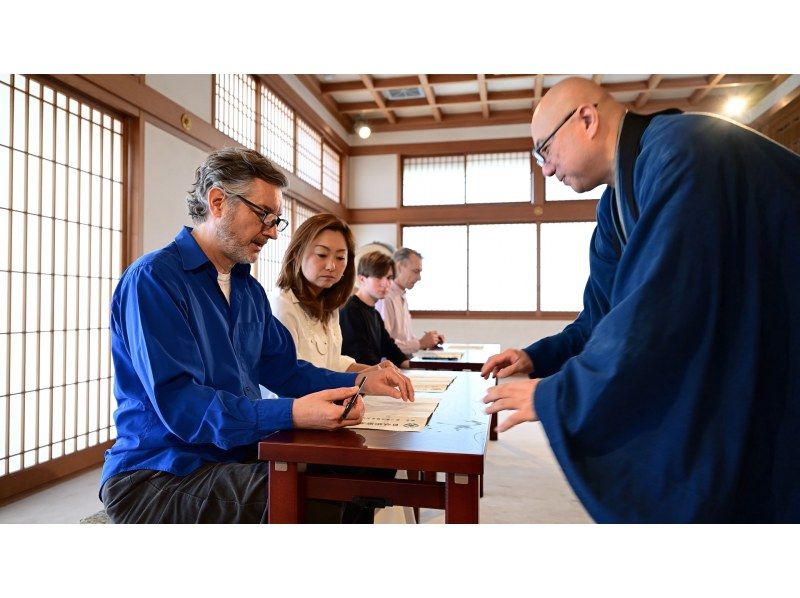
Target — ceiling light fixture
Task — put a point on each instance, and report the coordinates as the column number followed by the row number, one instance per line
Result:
column 362, row 129
column 735, row 106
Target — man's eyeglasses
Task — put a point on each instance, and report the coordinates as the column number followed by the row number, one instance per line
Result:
column 540, row 152
column 267, row 218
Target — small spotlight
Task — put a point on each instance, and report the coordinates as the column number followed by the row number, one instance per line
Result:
column 735, row 106
column 362, row 129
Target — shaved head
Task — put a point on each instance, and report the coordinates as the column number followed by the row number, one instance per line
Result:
column 575, row 128
column 562, row 98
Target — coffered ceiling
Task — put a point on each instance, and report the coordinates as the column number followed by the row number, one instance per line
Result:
column 434, row 101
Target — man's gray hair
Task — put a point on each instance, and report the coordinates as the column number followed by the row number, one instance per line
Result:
column 231, row 169
column 404, row 253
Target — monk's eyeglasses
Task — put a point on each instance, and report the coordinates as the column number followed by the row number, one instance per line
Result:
column 540, row 152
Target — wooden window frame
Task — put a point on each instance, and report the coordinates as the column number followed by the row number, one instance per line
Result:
column 538, row 211
column 27, row 479
column 310, row 194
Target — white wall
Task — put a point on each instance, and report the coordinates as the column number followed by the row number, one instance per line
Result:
column 367, row 233
column 169, row 165
column 373, row 182
column 193, row 92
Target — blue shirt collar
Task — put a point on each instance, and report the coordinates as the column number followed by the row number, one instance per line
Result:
column 192, row 256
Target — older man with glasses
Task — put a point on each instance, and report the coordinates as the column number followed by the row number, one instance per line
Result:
column 192, row 338
column 675, row 395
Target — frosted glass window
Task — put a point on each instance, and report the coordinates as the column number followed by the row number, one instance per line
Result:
column 331, row 172
column 555, row 190
column 309, row 154
column 301, row 214
column 277, row 130
column 565, row 264
column 496, row 178
column 270, row 259
column 433, row 181
column 444, row 267
column 235, row 107
column 56, row 272
column 497, row 283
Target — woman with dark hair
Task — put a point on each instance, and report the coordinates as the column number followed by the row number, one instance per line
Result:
column 316, row 279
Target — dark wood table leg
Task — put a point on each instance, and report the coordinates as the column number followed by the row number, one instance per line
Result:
column 283, row 495
column 414, row 475
column 461, row 498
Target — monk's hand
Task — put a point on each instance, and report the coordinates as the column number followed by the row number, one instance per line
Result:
column 507, row 363
column 513, row 396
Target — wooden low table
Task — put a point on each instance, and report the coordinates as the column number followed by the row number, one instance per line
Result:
column 472, row 360
column 453, row 442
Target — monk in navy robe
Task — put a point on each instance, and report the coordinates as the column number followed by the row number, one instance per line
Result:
column 675, row 394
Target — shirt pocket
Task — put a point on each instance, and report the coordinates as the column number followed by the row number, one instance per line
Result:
column 250, row 337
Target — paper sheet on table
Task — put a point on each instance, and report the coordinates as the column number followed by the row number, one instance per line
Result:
column 388, row 413
column 439, row 355
column 463, row 346
column 431, row 383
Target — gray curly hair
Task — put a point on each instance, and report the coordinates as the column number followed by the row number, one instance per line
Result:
column 404, row 253
column 231, row 169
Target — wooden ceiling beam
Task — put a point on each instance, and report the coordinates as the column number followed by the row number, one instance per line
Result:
column 313, row 85
column 449, row 100
column 437, row 114
column 689, row 83
column 704, row 82
column 483, row 94
column 376, row 95
column 538, row 83
column 407, row 81
column 510, row 76
column 760, row 92
column 702, row 92
column 640, row 86
column 652, row 84
column 472, row 119
column 711, row 104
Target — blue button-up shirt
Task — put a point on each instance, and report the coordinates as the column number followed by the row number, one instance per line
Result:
column 188, row 365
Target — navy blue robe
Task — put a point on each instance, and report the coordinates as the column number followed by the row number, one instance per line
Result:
column 675, row 395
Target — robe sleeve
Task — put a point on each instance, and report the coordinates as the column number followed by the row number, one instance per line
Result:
column 550, row 353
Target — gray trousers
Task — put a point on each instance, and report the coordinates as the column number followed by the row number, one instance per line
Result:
column 213, row 493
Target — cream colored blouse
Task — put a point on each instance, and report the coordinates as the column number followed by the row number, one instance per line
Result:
column 315, row 343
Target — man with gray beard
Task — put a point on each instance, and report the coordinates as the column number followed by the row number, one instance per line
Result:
column 192, row 338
